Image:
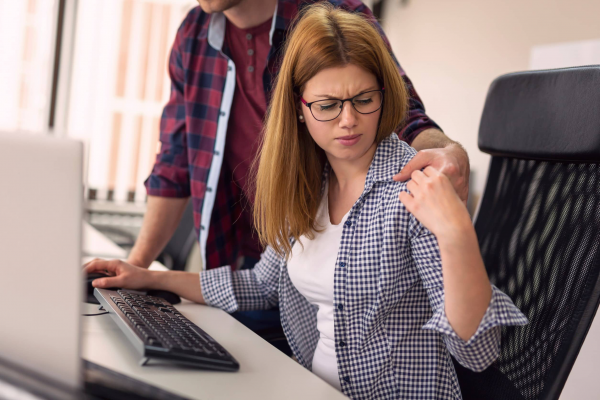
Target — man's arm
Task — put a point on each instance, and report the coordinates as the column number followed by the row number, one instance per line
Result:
column 445, row 155
column 160, row 222
column 168, row 185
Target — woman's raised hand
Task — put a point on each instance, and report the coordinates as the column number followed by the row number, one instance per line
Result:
column 432, row 199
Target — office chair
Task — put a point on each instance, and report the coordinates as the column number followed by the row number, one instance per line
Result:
column 175, row 254
column 539, row 226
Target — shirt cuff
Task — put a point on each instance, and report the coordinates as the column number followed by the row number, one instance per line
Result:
column 167, row 182
column 410, row 132
column 500, row 312
column 217, row 289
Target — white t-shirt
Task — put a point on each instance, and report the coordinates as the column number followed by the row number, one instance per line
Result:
column 311, row 270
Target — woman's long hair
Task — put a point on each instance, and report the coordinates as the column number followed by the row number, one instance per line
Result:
column 290, row 164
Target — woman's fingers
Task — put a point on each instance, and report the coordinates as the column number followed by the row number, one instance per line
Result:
column 430, row 171
column 413, row 188
column 97, row 265
column 90, row 262
column 115, row 281
column 418, row 177
column 408, row 200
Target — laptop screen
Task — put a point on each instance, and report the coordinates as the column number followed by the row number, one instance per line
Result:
column 40, row 238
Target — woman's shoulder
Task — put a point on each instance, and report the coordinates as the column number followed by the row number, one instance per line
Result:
column 392, row 155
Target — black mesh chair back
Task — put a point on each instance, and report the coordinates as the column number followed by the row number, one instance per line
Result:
column 538, row 225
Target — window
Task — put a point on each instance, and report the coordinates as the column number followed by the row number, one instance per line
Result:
column 119, row 85
column 27, row 32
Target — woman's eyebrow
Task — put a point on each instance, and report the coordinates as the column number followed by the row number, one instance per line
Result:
column 328, row 96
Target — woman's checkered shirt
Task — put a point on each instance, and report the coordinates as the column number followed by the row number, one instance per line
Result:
column 393, row 339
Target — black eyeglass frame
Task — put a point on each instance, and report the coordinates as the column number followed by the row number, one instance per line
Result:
column 382, row 90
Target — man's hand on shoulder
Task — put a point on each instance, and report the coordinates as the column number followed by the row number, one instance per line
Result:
column 444, row 155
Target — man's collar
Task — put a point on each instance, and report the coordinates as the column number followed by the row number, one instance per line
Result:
column 218, row 22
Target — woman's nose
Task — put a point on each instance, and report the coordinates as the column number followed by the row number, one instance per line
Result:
column 348, row 117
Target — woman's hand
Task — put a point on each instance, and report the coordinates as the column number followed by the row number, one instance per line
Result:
column 467, row 290
column 121, row 274
column 126, row 276
column 434, row 202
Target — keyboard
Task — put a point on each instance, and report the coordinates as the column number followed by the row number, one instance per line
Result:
column 161, row 333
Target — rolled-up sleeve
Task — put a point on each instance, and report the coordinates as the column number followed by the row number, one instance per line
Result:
column 170, row 174
column 244, row 290
column 482, row 349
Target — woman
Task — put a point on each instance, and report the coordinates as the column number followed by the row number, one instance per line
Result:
column 369, row 299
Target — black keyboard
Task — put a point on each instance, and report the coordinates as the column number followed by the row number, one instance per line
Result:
column 160, row 332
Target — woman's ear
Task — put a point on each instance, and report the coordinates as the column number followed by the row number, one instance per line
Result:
column 299, row 110
column 300, row 113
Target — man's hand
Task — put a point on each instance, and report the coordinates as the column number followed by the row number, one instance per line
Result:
column 451, row 160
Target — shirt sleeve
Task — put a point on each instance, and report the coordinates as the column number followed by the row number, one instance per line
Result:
column 243, row 290
column 170, row 174
column 417, row 120
column 482, row 349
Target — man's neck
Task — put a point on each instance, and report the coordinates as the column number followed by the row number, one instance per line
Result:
column 250, row 13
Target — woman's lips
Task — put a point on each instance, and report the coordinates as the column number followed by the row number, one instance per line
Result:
column 348, row 140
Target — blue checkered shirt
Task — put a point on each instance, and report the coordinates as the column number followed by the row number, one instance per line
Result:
column 393, row 339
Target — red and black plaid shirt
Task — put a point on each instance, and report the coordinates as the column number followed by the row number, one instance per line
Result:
column 194, row 121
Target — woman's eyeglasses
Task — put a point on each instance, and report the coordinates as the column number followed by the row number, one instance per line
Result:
column 330, row 109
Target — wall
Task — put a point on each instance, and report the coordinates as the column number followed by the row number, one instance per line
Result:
column 452, row 50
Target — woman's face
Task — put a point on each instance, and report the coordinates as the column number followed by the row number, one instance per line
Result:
column 351, row 135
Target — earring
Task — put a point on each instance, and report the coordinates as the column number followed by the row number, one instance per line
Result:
column 301, row 118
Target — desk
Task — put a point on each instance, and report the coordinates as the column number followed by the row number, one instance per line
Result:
column 265, row 372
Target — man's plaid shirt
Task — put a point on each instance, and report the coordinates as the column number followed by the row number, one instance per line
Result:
column 393, row 340
column 194, row 124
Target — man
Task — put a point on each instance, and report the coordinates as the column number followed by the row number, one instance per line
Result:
column 222, row 66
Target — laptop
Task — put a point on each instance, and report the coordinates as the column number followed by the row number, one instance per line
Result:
column 41, row 195
column 41, row 285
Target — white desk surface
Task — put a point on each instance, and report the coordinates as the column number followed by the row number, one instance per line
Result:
column 265, row 372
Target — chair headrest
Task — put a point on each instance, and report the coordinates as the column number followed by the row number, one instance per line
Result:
column 549, row 115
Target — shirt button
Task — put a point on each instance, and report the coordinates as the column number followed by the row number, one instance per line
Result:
column 229, row 68
column 251, row 69
column 340, row 307
column 348, row 223
column 208, row 189
column 248, row 36
column 202, row 227
column 342, row 343
column 222, row 113
column 250, row 52
column 342, row 264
